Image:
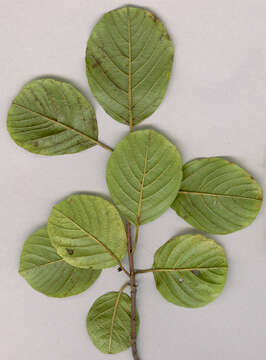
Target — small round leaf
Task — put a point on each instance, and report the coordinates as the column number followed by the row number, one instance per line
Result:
column 143, row 175
column 129, row 61
column 48, row 273
column 217, row 196
column 51, row 117
column 87, row 231
column 190, row 271
column 108, row 322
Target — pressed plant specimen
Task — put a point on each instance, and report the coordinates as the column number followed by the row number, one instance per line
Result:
column 129, row 59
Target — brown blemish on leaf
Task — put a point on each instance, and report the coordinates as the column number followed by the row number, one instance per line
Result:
column 196, row 272
column 94, row 125
column 70, row 251
column 36, row 143
column 154, row 18
column 97, row 62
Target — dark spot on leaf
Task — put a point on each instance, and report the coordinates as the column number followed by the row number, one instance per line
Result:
column 196, row 272
column 180, row 280
column 97, row 62
column 36, row 143
column 70, row 251
column 154, row 18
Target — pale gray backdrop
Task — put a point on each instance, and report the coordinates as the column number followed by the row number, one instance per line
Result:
column 215, row 105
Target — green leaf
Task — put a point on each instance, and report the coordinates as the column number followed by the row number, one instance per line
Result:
column 191, row 270
column 87, row 231
column 217, row 196
column 108, row 322
column 51, row 117
column 129, row 60
column 143, row 175
column 48, row 273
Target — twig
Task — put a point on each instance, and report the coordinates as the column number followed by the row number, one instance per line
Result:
column 133, row 294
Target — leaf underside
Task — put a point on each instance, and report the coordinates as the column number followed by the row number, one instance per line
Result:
column 87, row 231
column 143, row 175
column 108, row 322
column 217, row 196
column 129, row 59
column 48, row 273
column 51, row 117
column 195, row 270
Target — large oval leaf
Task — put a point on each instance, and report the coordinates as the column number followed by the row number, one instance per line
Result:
column 217, row 196
column 191, row 270
column 51, row 117
column 87, row 231
column 143, row 175
column 48, row 273
column 129, row 60
column 108, row 322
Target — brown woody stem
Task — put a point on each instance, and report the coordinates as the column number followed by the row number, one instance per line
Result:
column 133, row 294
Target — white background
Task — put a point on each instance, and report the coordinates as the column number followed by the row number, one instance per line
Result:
column 215, row 105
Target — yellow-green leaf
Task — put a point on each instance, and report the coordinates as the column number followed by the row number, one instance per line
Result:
column 87, row 231
column 48, row 273
column 143, row 175
column 190, row 270
column 217, row 196
column 129, row 60
column 51, row 117
column 108, row 322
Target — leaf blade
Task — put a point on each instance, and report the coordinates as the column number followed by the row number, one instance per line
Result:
column 191, row 270
column 87, row 231
column 51, row 117
column 108, row 322
column 217, row 196
column 46, row 272
column 143, row 175
column 122, row 64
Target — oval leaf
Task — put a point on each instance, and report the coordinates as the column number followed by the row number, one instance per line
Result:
column 129, row 60
column 191, row 270
column 217, row 196
column 51, row 117
column 87, row 231
column 48, row 273
column 108, row 322
column 143, row 175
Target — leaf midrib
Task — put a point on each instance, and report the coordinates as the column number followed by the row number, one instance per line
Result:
column 38, row 266
column 91, row 236
column 113, row 320
column 197, row 193
column 143, row 179
column 189, row 269
column 129, row 71
column 87, row 137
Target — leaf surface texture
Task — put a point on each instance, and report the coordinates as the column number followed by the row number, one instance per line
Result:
column 51, row 117
column 87, row 231
column 129, row 60
column 108, row 322
column 192, row 270
column 217, row 196
column 48, row 273
column 143, row 175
